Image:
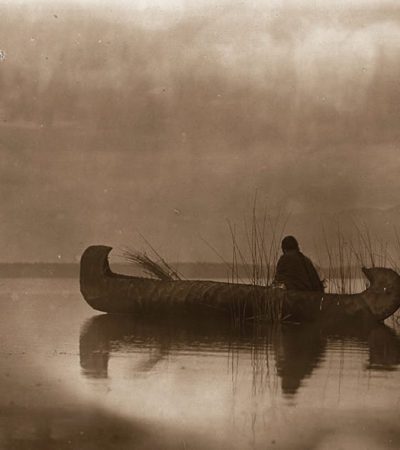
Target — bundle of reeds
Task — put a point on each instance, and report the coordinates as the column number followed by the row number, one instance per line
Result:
column 155, row 269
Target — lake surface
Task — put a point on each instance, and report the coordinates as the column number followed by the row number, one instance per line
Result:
column 73, row 378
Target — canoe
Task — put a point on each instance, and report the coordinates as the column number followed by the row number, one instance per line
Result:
column 109, row 292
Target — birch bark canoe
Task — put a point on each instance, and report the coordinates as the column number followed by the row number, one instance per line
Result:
column 109, row 292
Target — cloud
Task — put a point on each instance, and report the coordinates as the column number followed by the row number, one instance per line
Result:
column 110, row 124
column 234, row 71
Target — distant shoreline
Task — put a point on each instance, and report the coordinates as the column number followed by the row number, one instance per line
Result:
column 71, row 270
column 188, row 270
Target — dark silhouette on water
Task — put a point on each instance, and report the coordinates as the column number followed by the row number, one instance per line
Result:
column 109, row 292
column 103, row 334
column 384, row 349
column 298, row 352
column 302, row 348
column 298, row 349
column 294, row 270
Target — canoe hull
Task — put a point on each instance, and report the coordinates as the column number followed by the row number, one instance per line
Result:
column 113, row 293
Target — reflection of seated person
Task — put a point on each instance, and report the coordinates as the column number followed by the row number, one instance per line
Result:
column 294, row 270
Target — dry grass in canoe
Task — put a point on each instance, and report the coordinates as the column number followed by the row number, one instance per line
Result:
column 159, row 269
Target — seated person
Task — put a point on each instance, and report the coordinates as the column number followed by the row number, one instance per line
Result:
column 294, row 270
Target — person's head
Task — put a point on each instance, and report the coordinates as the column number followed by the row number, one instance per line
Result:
column 289, row 243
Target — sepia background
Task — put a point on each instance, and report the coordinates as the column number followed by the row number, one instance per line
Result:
column 166, row 118
column 202, row 126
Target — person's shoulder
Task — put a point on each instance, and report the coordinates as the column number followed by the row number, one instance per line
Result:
column 294, row 254
column 288, row 258
column 309, row 261
column 283, row 259
column 305, row 256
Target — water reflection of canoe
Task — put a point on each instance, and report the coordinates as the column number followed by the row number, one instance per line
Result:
column 108, row 333
column 302, row 348
column 109, row 292
column 297, row 349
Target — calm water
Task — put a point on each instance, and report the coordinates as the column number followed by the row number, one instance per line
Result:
column 72, row 378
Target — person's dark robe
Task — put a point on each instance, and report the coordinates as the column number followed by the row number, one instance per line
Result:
column 297, row 272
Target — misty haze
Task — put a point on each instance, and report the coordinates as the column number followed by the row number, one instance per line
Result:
column 199, row 134
column 166, row 122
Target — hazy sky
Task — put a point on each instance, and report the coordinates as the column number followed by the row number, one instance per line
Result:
column 165, row 117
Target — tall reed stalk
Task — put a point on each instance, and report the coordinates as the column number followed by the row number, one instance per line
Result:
column 341, row 276
column 395, row 261
column 348, row 253
column 263, row 234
